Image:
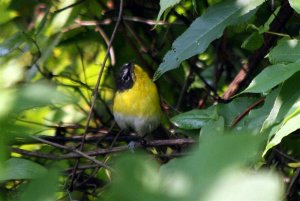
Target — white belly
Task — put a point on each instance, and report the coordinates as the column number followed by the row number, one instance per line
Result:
column 141, row 126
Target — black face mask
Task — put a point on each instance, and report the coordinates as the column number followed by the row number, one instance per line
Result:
column 125, row 77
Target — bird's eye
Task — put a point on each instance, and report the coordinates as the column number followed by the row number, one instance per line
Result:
column 125, row 77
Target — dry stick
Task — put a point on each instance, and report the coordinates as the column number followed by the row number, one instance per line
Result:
column 245, row 112
column 95, row 92
column 277, row 25
column 106, row 40
column 293, row 182
column 73, row 150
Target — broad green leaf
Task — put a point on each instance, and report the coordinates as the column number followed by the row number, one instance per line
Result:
column 204, row 30
column 164, row 5
column 290, row 126
column 286, row 51
column 295, row 4
column 195, row 119
column 271, row 77
column 18, row 168
column 42, row 188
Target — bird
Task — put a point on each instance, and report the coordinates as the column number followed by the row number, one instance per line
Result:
column 136, row 103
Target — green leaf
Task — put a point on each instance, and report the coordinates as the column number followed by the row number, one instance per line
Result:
column 295, row 4
column 204, row 30
column 232, row 110
column 195, row 119
column 286, row 103
column 164, row 5
column 284, row 114
column 213, row 128
column 286, row 51
column 271, row 77
column 253, row 122
column 18, row 168
column 253, row 42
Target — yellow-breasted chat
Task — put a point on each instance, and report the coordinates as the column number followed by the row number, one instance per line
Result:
column 136, row 102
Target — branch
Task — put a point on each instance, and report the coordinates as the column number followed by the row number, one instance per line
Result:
column 75, row 154
column 79, row 153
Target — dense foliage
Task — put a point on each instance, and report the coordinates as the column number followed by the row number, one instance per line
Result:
column 228, row 73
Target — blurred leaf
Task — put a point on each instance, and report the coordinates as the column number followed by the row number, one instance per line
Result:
column 11, row 43
column 294, row 165
column 38, row 95
column 187, row 178
column 164, row 5
column 271, row 77
column 295, row 4
column 5, row 13
column 198, row 172
column 195, row 119
column 247, row 186
column 61, row 18
column 286, row 51
column 42, row 188
column 204, row 30
column 18, row 168
column 136, row 179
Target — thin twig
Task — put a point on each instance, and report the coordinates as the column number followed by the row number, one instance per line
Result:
column 69, row 6
column 95, row 92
